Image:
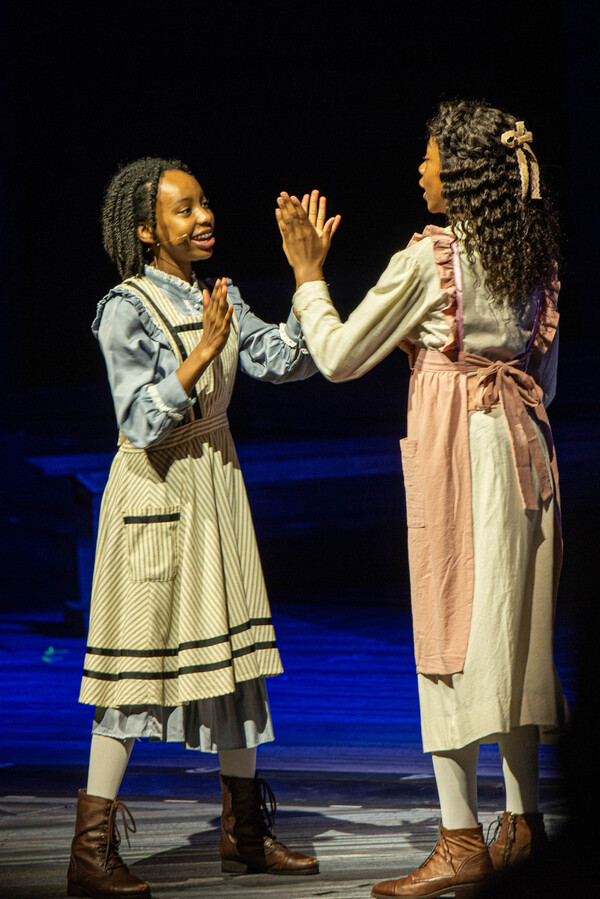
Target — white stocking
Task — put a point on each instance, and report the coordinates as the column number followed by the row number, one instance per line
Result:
column 456, row 779
column 520, row 766
column 108, row 761
column 238, row 762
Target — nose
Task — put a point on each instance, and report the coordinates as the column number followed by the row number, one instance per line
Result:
column 422, row 168
column 204, row 215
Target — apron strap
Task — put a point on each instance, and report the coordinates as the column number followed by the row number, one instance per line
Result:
column 194, row 412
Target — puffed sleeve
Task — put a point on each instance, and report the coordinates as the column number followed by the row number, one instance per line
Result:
column 270, row 352
column 147, row 394
column 407, row 290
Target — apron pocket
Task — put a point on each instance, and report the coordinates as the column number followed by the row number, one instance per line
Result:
column 152, row 543
column 413, row 483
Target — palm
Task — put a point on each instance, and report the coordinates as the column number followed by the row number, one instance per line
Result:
column 315, row 208
column 305, row 231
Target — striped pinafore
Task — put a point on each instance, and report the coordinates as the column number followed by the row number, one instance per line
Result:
column 179, row 607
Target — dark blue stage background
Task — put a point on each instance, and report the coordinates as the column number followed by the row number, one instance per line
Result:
column 258, row 98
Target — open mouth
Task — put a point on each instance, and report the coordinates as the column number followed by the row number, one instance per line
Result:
column 203, row 238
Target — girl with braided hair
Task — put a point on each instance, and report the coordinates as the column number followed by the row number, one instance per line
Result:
column 474, row 306
column 181, row 638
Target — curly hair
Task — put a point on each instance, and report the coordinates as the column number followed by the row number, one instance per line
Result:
column 516, row 239
column 130, row 198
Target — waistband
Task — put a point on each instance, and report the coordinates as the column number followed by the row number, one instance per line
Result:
column 202, row 427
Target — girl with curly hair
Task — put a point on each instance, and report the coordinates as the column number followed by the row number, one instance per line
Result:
column 474, row 306
column 181, row 638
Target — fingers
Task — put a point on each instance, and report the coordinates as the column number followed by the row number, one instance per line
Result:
column 215, row 304
column 321, row 215
column 291, row 212
column 313, row 208
column 332, row 225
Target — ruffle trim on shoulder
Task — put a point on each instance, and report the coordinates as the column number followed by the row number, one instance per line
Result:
column 549, row 317
column 150, row 327
column 442, row 253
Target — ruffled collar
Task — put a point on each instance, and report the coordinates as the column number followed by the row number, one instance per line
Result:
column 164, row 278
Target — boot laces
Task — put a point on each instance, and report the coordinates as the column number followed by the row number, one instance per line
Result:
column 112, row 835
column 511, row 833
column 498, row 827
column 268, row 807
column 441, row 842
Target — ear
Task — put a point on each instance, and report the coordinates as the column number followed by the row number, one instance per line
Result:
column 145, row 233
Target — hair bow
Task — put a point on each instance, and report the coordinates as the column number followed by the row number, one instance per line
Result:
column 519, row 140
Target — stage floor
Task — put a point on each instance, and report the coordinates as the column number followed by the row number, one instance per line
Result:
column 363, row 829
column 352, row 783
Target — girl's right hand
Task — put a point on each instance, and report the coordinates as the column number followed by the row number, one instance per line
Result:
column 305, row 233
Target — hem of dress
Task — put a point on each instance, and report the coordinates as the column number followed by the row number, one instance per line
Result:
column 213, row 750
column 548, row 734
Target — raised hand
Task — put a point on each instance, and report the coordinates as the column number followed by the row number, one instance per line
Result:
column 215, row 332
column 216, row 318
column 306, row 233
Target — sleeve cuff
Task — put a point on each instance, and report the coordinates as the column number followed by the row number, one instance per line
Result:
column 308, row 291
column 170, row 397
column 291, row 333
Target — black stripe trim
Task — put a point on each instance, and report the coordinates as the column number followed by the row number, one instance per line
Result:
column 189, row 326
column 157, row 653
column 239, row 628
column 246, row 650
column 156, row 675
column 192, row 644
column 150, row 519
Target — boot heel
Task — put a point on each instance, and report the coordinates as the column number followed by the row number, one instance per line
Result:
column 231, row 867
column 74, row 890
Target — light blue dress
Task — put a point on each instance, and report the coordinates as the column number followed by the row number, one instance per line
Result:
column 149, row 403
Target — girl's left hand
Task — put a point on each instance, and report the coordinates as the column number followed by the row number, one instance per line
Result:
column 306, row 233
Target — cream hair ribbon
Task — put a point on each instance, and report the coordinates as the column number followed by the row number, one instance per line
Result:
column 519, row 140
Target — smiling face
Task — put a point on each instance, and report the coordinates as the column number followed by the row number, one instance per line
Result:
column 430, row 181
column 184, row 225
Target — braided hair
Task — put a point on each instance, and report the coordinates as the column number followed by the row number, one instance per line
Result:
column 515, row 238
column 130, row 198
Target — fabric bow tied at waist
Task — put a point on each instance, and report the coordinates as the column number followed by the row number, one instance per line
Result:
column 507, row 383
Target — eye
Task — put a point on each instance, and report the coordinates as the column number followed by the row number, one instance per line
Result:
column 205, row 203
column 185, row 211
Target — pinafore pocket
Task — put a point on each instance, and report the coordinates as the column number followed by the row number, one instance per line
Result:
column 151, row 535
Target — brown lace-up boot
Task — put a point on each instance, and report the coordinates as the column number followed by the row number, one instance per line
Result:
column 516, row 838
column 459, row 862
column 248, row 845
column 96, row 869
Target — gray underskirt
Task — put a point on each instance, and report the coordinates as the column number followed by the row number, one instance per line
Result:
column 239, row 720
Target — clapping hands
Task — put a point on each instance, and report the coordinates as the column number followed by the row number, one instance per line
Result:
column 306, row 233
